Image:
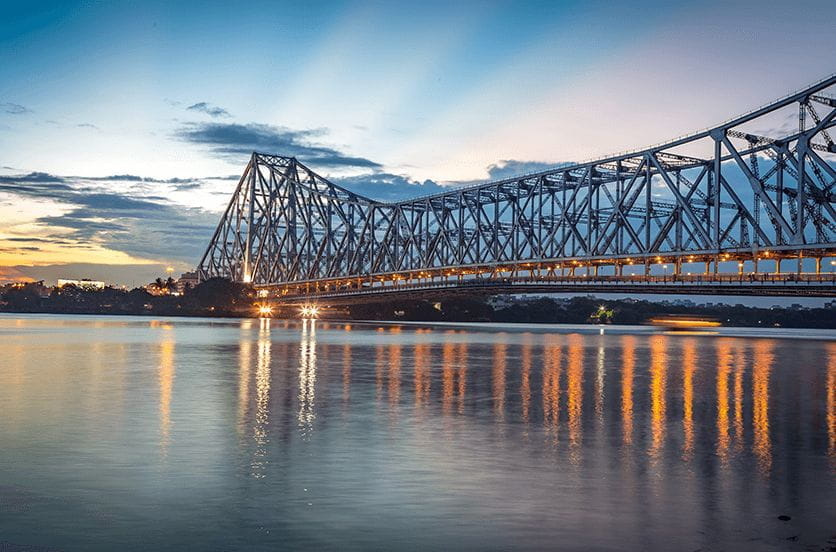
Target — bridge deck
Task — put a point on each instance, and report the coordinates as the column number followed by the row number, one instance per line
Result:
column 787, row 285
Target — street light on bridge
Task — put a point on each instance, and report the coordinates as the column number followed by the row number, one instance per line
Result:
column 309, row 311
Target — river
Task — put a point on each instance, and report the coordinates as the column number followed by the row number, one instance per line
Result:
column 135, row 433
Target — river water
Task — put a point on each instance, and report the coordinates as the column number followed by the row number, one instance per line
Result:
column 131, row 433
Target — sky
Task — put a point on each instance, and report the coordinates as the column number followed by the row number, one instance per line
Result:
column 124, row 126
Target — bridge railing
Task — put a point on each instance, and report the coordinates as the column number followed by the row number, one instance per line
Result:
column 685, row 282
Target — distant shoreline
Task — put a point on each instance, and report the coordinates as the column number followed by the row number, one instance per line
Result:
column 754, row 332
column 220, row 298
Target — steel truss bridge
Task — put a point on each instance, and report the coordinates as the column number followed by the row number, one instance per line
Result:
column 720, row 211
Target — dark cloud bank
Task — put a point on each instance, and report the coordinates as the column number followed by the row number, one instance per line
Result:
column 146, row 226
column 236, row 140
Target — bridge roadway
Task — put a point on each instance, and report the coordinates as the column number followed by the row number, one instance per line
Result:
column 776, row 285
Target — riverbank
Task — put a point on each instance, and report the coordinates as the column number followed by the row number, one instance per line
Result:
column 219, row 298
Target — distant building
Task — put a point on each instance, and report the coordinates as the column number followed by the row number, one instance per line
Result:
column 186, row 281
column 84, row 283
column 38, row 287
column 154, row 289
column 171, row 286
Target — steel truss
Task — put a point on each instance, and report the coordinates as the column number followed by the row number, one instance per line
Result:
column 729, row 192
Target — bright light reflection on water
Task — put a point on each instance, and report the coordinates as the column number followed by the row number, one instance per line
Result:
column 122, row 433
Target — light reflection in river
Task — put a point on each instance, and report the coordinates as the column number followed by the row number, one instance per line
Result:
column 525, row 378
column 723, row 368
column 658, row 383
column 628, row 355
column 762, row 444
column 346, row 374
column 307, row 378
column 739, row 368
column 551, row 388
column 448, row 371
column 498, row 379
column 689, row 366
column 422, row 376
column 244, row 362
column 394, row 375
column 574, row 391
column 166, row 384
column 831, row 402
column 480, row 438
column 461, row 352
column 262, row 400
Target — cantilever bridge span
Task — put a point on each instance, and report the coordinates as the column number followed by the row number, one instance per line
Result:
column 746, row 207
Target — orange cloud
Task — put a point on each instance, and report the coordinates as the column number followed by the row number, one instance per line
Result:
column 12, row 274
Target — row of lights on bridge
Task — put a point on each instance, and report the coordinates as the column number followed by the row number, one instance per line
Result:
column 312, row 311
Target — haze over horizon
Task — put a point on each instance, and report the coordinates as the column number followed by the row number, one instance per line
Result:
column 124, row 127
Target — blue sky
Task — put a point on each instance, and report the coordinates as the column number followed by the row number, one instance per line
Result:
column 139, row 114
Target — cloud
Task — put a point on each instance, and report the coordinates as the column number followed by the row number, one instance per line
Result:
column 208, row 109
column 35, row 240
column 14, row 109
column 383, row 186
column 509, row 168
column 388, row 187
column 177, row 184
column 13, row 274
column 119, row 178
column 242, row 139
column 143, row 226
column 150, row 231
column 32, row 177
column 87, row 125
column 187, row 186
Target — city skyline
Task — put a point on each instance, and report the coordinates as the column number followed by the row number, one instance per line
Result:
column 124, row 130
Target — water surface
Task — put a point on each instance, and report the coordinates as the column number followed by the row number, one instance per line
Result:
column 130, row 433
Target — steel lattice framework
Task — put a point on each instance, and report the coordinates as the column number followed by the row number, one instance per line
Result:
column 736, row 189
